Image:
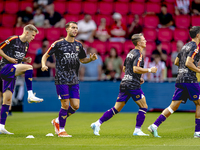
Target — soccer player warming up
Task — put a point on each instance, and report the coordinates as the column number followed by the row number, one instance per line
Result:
column 69, row 53
column 130, row 86
column 186, row 86
column 13, row 51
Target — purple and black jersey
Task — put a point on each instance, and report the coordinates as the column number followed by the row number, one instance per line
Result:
column 67, row 61
column 14, row 48
column 131, row 80
column 185, row 75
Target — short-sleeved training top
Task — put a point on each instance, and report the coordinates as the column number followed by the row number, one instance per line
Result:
column 67, row 60
column 14, row 48
column 185, row 75
column 131, row 80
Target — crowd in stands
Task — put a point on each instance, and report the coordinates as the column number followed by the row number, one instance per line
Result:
column 106, row 27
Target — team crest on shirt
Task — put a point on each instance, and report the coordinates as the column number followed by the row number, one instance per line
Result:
column 52, row 45
column 196, row 51
column 194, row 96
column 140, row 58
column 77, row 48
column 138, row 96
column 26, row 48
column 7, row 42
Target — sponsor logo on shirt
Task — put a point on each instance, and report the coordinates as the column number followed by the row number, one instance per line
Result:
column 183, row 71
column 194, row 96
column 127, row 77
column 130, row 55
column 77, row 48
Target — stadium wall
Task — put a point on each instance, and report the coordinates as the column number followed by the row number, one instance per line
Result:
column 101, row 96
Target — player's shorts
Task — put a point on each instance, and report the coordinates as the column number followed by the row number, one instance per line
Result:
column 1, row 85
column 124, row 95
column 7, row 74
column 186, row 91
column 68, row 91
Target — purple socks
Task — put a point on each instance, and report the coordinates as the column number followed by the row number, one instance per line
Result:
column 108, row 114
column 197, row 127
column 4, row 114
column 62, row 118
column 70, row 111
column 28, row 79
column 159, row 120
column 140, row 117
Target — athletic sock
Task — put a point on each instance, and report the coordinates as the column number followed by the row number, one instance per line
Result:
column 108, row 114
column 62, row 118
column 70, row 111
column 197, row 127
column 28, row 79
column 159, row 120
column 140, row 117
column 4, row 113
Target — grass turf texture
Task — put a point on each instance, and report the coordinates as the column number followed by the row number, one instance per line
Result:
column 177, row 132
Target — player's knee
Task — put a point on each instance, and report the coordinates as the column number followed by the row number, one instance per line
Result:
column 29, row 67
column 76, row 107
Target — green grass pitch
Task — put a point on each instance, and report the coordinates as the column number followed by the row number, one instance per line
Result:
column 177, row 133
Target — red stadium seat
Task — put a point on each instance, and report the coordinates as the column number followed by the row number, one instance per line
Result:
column 174, row 47
column 100, row 46
column 165, row 34
column 69, row 17
column 11, row 7
column 137, row 8
column 105, row 8
column 128, row 46
column 41, row 35
column 5, row 32
column 24, row 4
column 150, row 46
column 121, row 7
column 182, row 21
column 18, row 31
column 195, row 20
column 74, row 7
column 1, row 6
column 33, row 46
column 116, row 45
column 140, row 1
column 53, row 34
column 60, row 7
column 170, row 8
column 9, row 20
column 151, row 21
column 90, row 8
column 107, row 17
column 153, row 7
column 157, row 1
column 181, row 34
column 170, row 1
column 108, row 0
column 167, row 46
column 150, row 34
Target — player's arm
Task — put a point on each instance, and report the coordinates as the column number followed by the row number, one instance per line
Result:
column 140, row 70
column 176, row 62
column 12, row 60
column 43, row 61
column 86, row 60
column 189, row 63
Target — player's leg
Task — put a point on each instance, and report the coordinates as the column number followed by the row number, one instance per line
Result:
column 163, row 116
column 197, row 119
column 7, row 100
column 28, row 71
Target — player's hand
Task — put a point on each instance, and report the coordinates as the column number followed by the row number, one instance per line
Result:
column 12, row 60
column 153, row 69
column 141, row 80
column 93, row 57
column 44, row 68
column 28, row 59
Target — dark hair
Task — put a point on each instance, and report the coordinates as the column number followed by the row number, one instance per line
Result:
column 135, row 38
column 194, row 31
column 163, row 5
column 115, row 52
column 68, row 24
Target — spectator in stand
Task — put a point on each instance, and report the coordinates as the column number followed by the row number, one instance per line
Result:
column 86, row 29
column 179, row 46
column 113, row 65
column 166, row 19
column 41, row 3
column 102, row 32
column 92, row 70
column 135, row 27
column 182, row 7
column 118, row 29
column 196, row 7
column 159, row 75
column 160, row 51
column 38, row 18
column 25, row 17
column 146, row 64
column 53, row 18
column 37, row 62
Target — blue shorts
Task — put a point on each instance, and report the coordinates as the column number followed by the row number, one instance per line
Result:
column 7, row 74
column 68, row 91
column 124, row 95
column 186, row 91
